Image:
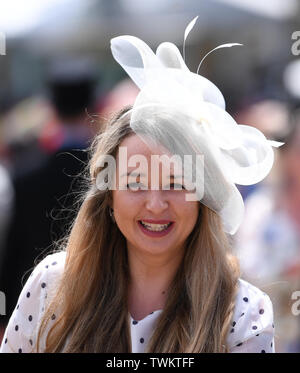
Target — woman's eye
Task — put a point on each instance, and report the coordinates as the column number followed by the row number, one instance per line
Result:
column 134, row 186
column 140, row 186
column 176, row 186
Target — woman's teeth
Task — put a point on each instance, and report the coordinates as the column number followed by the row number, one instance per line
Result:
column 155, row 227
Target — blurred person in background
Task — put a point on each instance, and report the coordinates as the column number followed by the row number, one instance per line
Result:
column 6, row 205
column 268, row 243
column 123, row 94
column 271, row 117
column 46, row 190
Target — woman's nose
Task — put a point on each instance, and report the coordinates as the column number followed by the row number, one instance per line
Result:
column 156, row 201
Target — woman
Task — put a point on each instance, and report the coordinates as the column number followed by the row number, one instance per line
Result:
column 149, row 268
column 116, row 278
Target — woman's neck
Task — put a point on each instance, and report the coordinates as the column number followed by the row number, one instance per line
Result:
column 150, row 278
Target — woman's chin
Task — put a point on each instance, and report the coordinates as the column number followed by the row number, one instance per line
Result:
column 154, row 246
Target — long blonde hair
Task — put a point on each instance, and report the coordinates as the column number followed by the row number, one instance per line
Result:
column 93, row 291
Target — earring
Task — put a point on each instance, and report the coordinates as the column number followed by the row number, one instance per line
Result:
column 111, row 213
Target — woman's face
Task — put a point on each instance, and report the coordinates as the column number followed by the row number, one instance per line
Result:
column 153, row 221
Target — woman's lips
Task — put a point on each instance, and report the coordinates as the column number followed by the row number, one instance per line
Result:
column 156, row 233
column 152, row 221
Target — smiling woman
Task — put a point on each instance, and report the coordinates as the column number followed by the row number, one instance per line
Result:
column 156, row 224
column 142, row 271
column 147, row 265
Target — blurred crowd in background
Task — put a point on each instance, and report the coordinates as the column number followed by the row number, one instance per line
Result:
column 59, row 83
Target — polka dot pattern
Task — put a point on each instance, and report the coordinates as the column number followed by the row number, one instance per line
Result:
column 21, row 331
column 252, row 319
column 251, row 328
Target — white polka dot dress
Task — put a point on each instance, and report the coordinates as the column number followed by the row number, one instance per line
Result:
column 141, row 330
column 21, row 331
column 252, row 328
column 252, row 324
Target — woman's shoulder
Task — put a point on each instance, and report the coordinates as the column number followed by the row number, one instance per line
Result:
column 253, row 314
column 20, row 334
column 54, row 260
column 48, row 272
column 42, row 282
column 52, row 264
column 253, row 297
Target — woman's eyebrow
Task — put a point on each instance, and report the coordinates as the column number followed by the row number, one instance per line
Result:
column 141, row 174
column 132, row 173
column 175, row 177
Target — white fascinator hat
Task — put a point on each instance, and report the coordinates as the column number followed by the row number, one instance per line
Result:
column 185, row 113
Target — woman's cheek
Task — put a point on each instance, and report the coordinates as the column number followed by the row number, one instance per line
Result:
column 178, row 200
column 127, row 198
